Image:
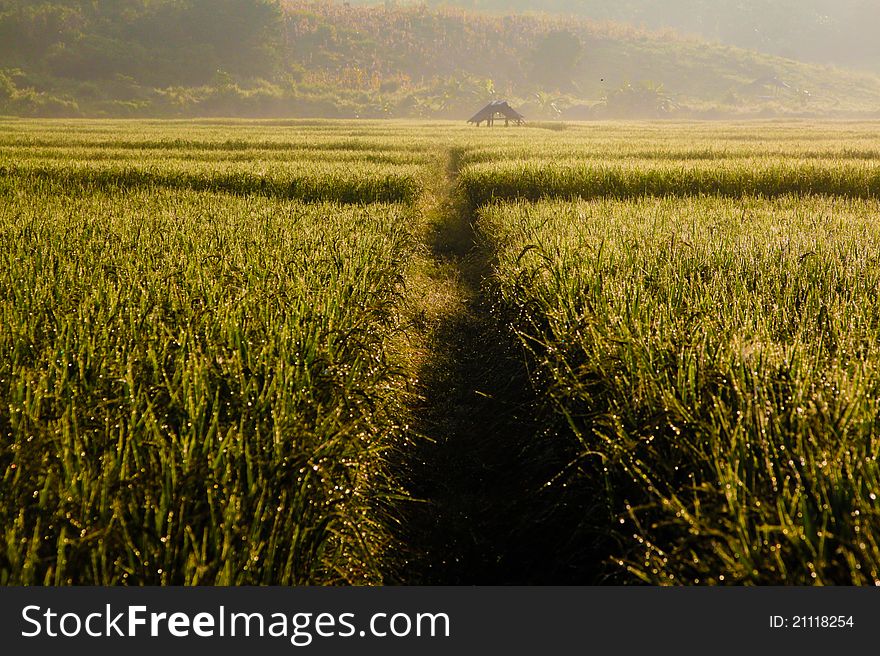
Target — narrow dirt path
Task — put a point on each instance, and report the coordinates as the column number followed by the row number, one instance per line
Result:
column 481, row 460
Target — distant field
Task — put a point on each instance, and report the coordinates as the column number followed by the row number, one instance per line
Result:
column 208, row 336
column 311, row 167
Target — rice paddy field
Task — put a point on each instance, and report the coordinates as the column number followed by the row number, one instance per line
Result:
column 216, row 338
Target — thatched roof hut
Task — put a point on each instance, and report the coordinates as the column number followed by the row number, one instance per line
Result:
column 497, row 109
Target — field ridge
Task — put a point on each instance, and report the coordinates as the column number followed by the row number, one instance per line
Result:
column 478, row 469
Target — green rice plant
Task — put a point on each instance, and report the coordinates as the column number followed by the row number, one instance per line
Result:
column 198, row 380
column 684, row 150
column 717, row 361
column 534, row 180
column 308, row 181
column 286, row 136
column 302, row 156
column 195, row 388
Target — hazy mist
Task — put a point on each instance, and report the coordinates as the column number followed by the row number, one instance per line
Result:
column 841, row 32
column 572, row 60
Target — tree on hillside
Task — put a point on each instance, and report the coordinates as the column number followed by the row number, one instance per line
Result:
column 646, row 99
column 161, row 42
column 28, row 29
column 555, row 58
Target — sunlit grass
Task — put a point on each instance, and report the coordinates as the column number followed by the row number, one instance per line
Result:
column 195, row 386
column 718, row 360
column 767, row 176
column 204, row 328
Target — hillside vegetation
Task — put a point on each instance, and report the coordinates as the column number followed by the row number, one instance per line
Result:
column 293, row 58
column 840, row 32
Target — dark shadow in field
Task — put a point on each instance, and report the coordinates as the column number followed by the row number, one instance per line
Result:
column 484, row 452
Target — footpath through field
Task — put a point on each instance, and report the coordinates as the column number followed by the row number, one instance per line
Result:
column 479, row 473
